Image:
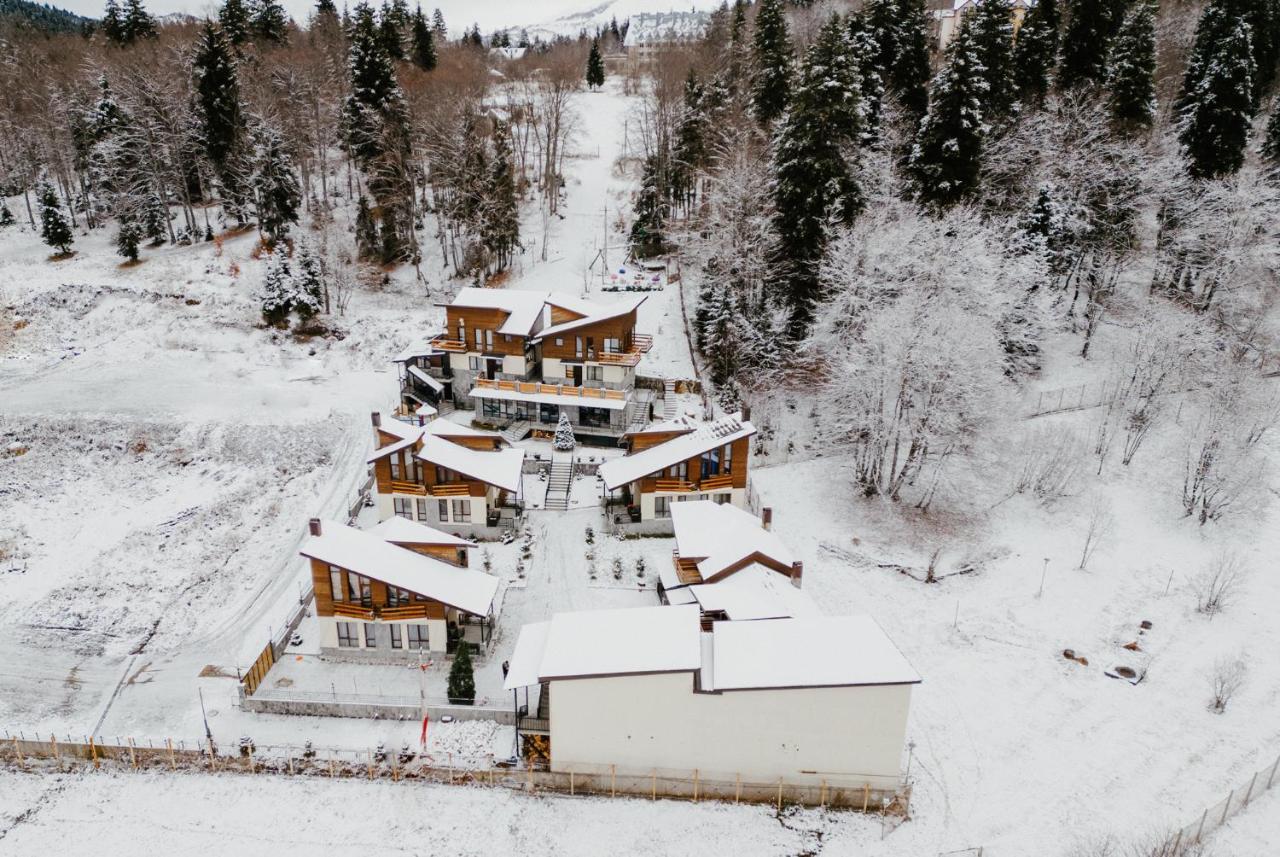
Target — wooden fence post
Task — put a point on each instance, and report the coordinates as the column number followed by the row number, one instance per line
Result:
column 1248, row 794
column 331, row 773
column 571, row 783
column 173, row 762
column 57, row 757
column 866, row 795
column 18, row 750
column 370, row 764
column 779, row 794
column 737, row 791
column 613, row 781
column 93, row 751
column 695, row 785
column 1200, row 829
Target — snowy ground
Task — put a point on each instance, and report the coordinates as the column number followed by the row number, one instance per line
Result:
column 174, row 451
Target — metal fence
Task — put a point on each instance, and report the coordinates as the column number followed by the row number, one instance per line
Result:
column 33, row 753
column 1077, row 398
column 1217, row 815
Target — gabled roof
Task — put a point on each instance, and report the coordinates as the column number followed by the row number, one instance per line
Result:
column 755, row 592
column 524, row 309
column 448, row 428
column 826, row 651
column 721, row 536
column 420, row 348
column 599, row 315
column 621, row 471
column 402, row 531
column 366, row 553
column 636, row 640
column 384, row 451
column 500, row 467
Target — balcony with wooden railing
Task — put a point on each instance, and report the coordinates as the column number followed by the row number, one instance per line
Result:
column 445, row 344
column 684, row 486
column 537, row 388
column 353, row 611
column 712, row 483
column 397, row 486
column 412, row 611
column 450, row 489
column 640, row 345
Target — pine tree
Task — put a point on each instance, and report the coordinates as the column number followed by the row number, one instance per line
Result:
column 6, row 216
column 947, row 155
column 1263, row 17
column 389, row 33
column 326, row 7
column 221, row 120
column 909, row 75
column 307, row 288
column 153, row 218
column 270, row 22
column 1131, row 77
column 1035, row 52
column 437, row 25
column 564, row 440
column 689, row 154
column 112, row 23
column 137, row 24
column 54, row 227
column 373, row 85
column 233, row 18
column 277, row 288
column 424, row 44
column 648, row 231
column 871, row 80
column 991, row 27
column 368, row 241
column 127, row 239
column 1085, row 43
column 278, row 191
column 815, row 154
column 720, row 336
column 501, row 232
column 595, row 67
column 772, row 53
column 1270, row 142
column 462, row 682
column 1215, row 110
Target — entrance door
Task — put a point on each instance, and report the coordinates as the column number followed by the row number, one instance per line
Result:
column 575, row 373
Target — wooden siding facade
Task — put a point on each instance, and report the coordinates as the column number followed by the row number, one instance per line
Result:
column 378, row 605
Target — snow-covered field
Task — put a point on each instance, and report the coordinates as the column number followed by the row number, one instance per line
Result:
column 173, row 451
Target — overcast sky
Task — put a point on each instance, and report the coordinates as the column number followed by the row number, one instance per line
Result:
column 459, row 14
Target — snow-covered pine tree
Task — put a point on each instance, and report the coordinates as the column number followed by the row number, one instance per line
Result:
column 771, row 88
column 277, row 288
column 423, row 50
column 564, row 439
column 870, row 76
column 1035, row 52
column 1263, row 17
column 815, row 164
column 112, row 23
column 307, row 289
column 462, row 680
column 153, row 218
column 54, row 226
column 221, row 117
column 1085, row 42
column 233, row 18
column 689, row 154
column 389, row 33
column 909, row 75
column 880, row 20
column 438, row 26
column 270, row 23
column 136, row 23
column 991, row 27
column 501, row 229
column 325, row 8
column 6, row 216
column 1215, row 110
column 128, row 236
column 947, row 154
column 1270, row 141
column 1131, row 76
column 720, row 336
column 595, row 66
column 648, row 231
column 278, row 191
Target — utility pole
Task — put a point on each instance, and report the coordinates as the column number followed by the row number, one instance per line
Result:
column 208, row 733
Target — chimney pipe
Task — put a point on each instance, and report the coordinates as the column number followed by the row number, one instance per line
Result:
column 377, row 419
column 766, row 517
column 797, row 571
column 746, row 413
column 314, row 524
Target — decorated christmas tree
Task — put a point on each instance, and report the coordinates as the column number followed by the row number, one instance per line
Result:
column 565, row 440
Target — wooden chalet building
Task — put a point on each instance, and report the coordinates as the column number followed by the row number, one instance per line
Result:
column 448, row 476
column 732, row 566
column 676, row 461
column 395, row 592
column 520, row 359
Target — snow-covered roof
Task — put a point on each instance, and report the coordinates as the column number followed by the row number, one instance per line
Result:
column 524, row 309
column 610, row 642
column 754, row 592
column 526, row 660
column 426, row 411
column 548, row 398
column 721, row 535
column 368, row 554
column 421, row 348
column 500, row 467
column 399, row 428
column 426, row 379
column 448, row 428
column 827, row 651
column 629, row 468
column 682, row 425
column 384, row 451
column 598, row 315
column 403, row 531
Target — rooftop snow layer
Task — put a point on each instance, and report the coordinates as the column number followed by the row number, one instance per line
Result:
column 629, row 468
column 526, row 659
column 721, row 534
column 614, row 642
column 500, row 467
column 524, row 309
column 599, row 315
column 403, row 531
column 367, row 554
column 755, row 592
column 827, row 651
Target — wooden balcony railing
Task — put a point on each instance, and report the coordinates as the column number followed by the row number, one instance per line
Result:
column 408, row 611
column 352, row 611
column 398, row 487
column 538, row 388
column 711, row 483
column 451, row 489
column 443, row 344
column 675, row 485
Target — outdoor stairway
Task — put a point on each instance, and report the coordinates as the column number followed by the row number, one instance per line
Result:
column 559, row 483
column 516, row 431
column 668, row 399
column 443, row 408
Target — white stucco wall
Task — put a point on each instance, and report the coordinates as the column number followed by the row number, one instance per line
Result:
column 479, row 508
column 513, row 364
column 458, row 361
column 552, row 368
column 437, row 635
column 737, row 496
column 843, row 736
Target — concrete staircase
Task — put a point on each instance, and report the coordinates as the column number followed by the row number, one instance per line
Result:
column 516, row 431
column 559, row 483
column 668, row 399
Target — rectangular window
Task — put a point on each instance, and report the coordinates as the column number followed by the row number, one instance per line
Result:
column 722, row 499
column 417, row 637
column 443, row 509
column 662, row 507
column 461, row 511
column 397, row 597
column 421, row 503
column 395, row 468
column 402, row 507
column 479, row 339
column 462, row 331
column 506, row 337
column 346, row 635
column 353, row 586
column 577, row 346
column 475, row 364
column 335, row 583
column 594, row 373
column 559, row 340
column 488, row 340
column 548, row 413
column 370, row 635
column 492, row 408
column 679, row 471
column 397, row 641
column 613, row 345
column 710, row 464
column 443, row 474
column 728, row 459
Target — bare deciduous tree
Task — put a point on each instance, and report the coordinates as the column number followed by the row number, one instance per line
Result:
column 1227, row 678
column 1218, row 583
column 1047, row 463
column 1098, row 527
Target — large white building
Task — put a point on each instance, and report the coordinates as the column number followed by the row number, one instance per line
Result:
column 645, row 691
